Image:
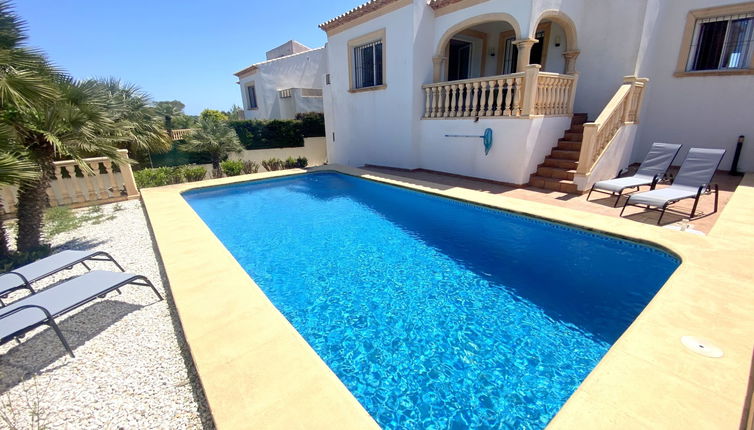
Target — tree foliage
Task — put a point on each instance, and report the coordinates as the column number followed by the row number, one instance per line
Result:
column 215, row 138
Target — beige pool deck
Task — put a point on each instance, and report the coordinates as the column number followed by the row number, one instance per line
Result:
column 258, row 372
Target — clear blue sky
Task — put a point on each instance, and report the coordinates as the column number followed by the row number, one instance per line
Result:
column 183, row 50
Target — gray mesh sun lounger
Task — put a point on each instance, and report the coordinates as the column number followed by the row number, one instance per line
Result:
column 43, row 307
column 651, row 170
column 693, row 178
column 23, row 277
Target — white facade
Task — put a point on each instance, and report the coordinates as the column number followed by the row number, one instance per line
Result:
column 384, row 125
column 284, row 85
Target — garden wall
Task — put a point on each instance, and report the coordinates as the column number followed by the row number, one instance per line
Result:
column 314, row 149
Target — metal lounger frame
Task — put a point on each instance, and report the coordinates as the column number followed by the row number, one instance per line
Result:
column 706, row 188
column 82, row 261
column 652, row 186
column 50, row 319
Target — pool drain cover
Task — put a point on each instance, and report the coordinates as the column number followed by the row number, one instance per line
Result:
column 701, row 346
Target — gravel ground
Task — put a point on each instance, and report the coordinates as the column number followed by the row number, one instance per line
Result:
column 131, row 370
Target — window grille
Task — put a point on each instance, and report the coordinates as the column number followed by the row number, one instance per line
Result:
column 722, row 43
column 368, row 65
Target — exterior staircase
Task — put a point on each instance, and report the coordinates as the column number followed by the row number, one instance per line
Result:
column 558, row 169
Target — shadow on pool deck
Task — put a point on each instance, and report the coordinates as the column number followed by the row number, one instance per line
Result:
column 602, row 204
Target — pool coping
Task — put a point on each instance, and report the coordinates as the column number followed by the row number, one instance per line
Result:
column 647, row 378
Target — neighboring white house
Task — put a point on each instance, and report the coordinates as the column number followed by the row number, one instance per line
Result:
column 403, row 74
column 289, row 82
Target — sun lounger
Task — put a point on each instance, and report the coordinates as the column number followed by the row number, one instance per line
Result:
column 693, row 178
column 43, row 307
column 23, row 277
column 651, row 170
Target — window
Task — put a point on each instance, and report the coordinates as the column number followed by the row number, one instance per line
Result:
column 368, row 65
column 366, row 62
column 252, row 97
column 718, row 41
column 722, row 43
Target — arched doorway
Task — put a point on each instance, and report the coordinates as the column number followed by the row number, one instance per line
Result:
column 556, row 48
column 471, row 48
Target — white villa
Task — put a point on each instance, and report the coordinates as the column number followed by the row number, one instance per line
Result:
column 403, row 74
column 287, row 83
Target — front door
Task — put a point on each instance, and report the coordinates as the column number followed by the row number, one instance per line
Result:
column 459, row 59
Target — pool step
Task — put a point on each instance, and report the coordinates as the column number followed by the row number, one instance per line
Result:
column 557, row 170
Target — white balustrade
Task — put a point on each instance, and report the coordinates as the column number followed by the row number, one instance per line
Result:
column 493, row 96
column 74, row 186
column 521, row 94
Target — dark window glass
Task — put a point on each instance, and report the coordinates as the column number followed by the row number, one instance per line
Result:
column 535, row 57
column 252, row 96
column 710, row 45
column 459, row 57
column 368, row 65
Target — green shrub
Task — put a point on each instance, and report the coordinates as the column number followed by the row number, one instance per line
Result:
column 301, row 162
column 272, row 164
column 276, row 133
column 158, row 176
column 232, row 167
column 250, row 167
column 290, row 163
column 312, row 124
column 194, row 173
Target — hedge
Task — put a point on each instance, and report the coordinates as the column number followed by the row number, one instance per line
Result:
column 279, row 133
column 177, row 157
column 160, row 176
column 276, row 133
column 312, row 124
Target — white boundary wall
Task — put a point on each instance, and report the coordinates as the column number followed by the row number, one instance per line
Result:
column 314, row 149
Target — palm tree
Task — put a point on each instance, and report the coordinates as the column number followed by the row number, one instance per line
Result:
column 169, row 110
column 24, row 84
column 215, row 138
column 76, row 125
column 14, row 168
column 53, row 116
column 138, row 122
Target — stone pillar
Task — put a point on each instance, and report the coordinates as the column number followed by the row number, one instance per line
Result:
column 570, row 61
column 524, row 52
column 438, row 67
column 128, row 176
column 531, row 82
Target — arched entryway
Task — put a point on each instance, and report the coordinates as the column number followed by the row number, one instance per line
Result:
column 552, row 43
column 473, row 49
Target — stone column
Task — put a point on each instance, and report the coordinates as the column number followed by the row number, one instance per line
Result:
column 438, row 67
column 524, row 52
column 570, row 61
column 128, row 177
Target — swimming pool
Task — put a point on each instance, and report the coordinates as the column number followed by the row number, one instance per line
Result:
column 435, row 313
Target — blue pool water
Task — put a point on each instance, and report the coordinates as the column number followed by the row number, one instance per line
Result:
column 435, row 313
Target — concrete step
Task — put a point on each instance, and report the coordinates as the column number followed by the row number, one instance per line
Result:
column 555, row 172
column 562, row 185
column 564, row 154
column 576, row 136
column 579, row 119
column 561, row 163
column 569, row 145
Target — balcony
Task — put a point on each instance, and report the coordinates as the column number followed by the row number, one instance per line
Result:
column 517, row 95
